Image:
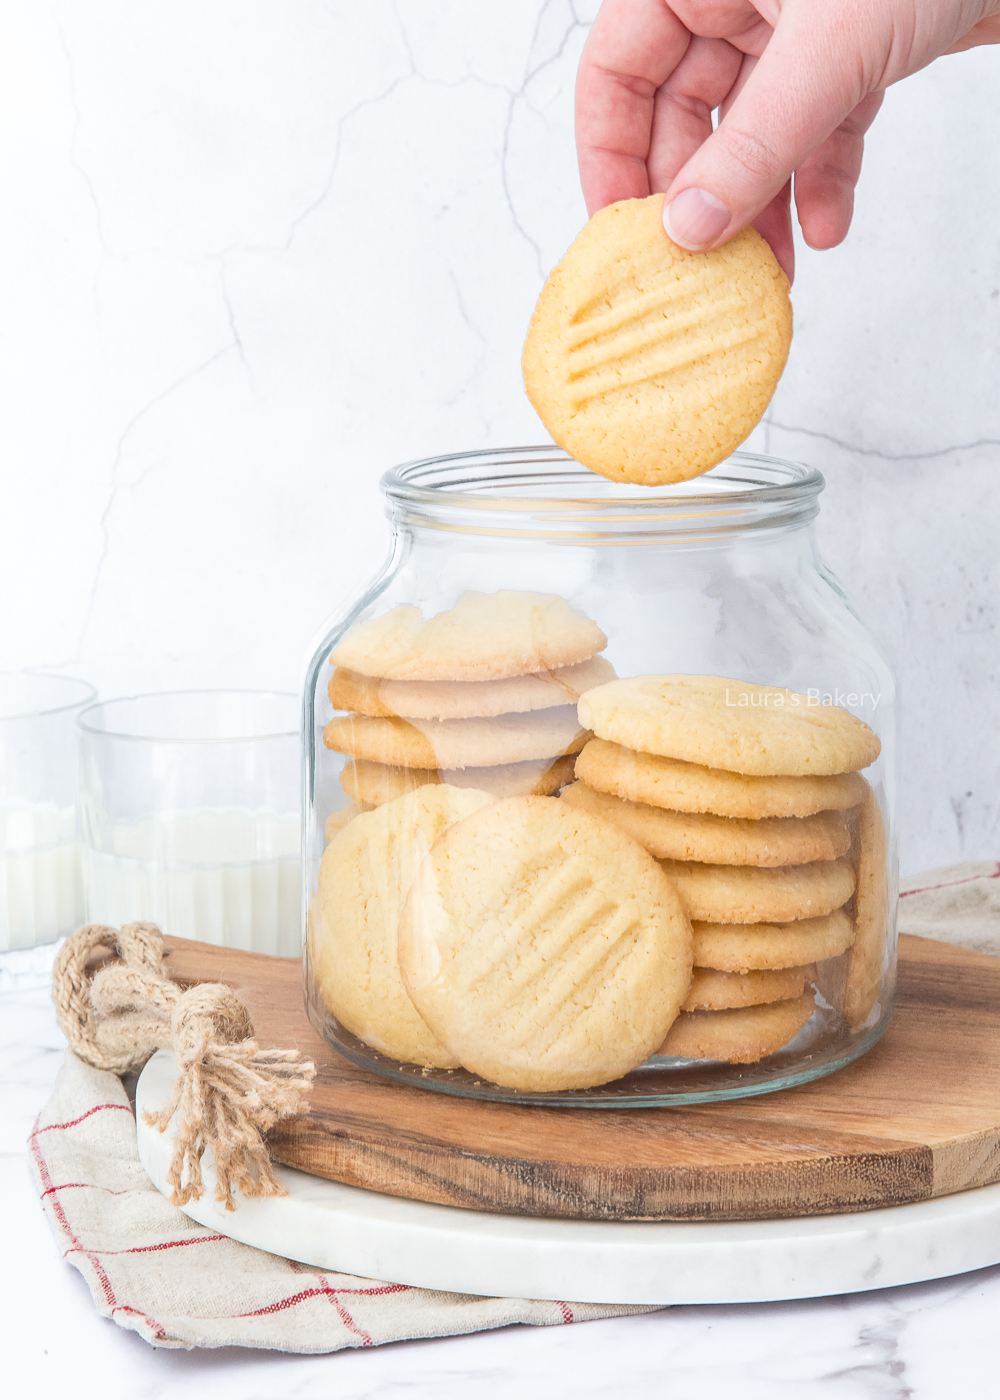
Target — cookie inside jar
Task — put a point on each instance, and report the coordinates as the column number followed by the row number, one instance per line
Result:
column 546, row 875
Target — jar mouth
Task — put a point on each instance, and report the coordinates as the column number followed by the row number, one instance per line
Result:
column 475, row 491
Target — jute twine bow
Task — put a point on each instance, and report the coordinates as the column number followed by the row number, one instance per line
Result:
column 228, row 1091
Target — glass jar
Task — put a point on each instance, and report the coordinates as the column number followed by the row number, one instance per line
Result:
column 705, row 908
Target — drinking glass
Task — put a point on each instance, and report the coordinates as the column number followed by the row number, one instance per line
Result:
column 40, row 892
column 190, row 806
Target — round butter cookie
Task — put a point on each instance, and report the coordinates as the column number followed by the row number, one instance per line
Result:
column 701, row 836
column 336, row 821
column 748, row 947
column 543, row 947
column 458, row 743
column 739, row 1037
column 363, row 879
column 690, row 787
column 735, row 725
column 376, row 783
column 752, row 894
column 650, row 363
column 484, row 637
column 371, row 695
column 719, row 991
column 854, row 987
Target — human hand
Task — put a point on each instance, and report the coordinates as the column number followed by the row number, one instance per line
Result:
column 797, row 83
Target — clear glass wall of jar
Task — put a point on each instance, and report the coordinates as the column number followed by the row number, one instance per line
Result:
column 506, row 571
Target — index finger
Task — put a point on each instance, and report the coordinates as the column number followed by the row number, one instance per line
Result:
column 633, row 48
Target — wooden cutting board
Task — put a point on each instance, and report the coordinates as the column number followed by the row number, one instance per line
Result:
column 918, row 1116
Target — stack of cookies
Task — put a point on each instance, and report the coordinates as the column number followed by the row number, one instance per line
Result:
column 480, row 696
column 751, row 799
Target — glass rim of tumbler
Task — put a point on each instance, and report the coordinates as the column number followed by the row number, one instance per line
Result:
column 531, row 491
column 87, row 697
column 87, row 719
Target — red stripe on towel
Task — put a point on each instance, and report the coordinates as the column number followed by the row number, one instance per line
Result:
column 949, row 884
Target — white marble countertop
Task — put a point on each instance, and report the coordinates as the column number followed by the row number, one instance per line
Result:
column 925, row 1341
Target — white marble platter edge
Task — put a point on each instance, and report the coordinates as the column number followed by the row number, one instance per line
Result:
column 354, row 1231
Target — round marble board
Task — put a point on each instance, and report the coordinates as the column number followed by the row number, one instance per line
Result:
column 354, row 1231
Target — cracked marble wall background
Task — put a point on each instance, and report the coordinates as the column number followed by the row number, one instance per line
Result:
column 254, row 254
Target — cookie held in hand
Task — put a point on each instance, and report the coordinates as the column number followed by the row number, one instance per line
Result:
column 649, row 363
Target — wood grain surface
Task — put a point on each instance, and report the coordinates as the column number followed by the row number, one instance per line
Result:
column 918, row 1116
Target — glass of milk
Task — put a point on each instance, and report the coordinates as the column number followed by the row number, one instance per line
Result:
column 189, row 807
column 40, row 892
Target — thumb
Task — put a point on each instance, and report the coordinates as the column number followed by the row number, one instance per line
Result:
column 808, row 80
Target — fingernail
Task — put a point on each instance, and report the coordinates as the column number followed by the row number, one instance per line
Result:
column 695, row 218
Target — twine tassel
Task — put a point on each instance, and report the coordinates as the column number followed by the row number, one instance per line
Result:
column 228, row 1091
column 227, row 1098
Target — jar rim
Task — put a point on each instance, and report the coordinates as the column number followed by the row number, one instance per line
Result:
column 746, row 490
